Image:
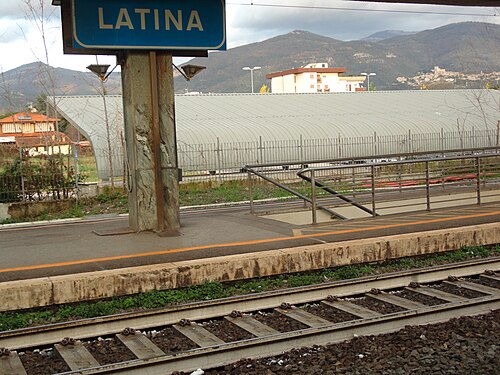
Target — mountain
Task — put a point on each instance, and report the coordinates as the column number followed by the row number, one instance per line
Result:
column 464, row 47
column 467, row 47
column 22, row 85
column 386, row 34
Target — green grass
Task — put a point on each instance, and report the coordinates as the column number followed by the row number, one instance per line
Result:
column 88, row 168
column 197, row 193
column 214, row 290
column 109, row 201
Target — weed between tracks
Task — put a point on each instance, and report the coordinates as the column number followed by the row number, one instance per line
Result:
column 214, row 290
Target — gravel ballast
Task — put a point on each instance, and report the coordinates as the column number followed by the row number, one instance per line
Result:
column 464, row 346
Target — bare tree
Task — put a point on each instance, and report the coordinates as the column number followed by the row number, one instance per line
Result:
column 487, row 102
column 7, row 93
column 39, row 14
column 461, row 130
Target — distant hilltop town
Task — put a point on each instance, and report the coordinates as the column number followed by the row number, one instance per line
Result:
column 441, row 77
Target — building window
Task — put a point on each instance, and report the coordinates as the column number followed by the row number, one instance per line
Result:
column 311, row 76
column 8, row 128
column 12, row 128
column 27, row 128
column 44, row 127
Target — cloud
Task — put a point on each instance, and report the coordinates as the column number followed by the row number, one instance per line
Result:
column 11, row 30
column 19, row 9
column 245, row 24
column 12, row 9
column 29, row 48
column 247, row 21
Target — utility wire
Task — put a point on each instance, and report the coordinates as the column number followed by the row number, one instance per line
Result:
column 360, row 9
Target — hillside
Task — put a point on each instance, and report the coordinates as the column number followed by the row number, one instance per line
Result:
column 468, row 47
column 22, row 85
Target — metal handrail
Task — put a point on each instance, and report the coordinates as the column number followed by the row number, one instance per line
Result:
column 398, row 162
column 313, row 180
column 481, row 150
column 291, row 191
column 474, row 153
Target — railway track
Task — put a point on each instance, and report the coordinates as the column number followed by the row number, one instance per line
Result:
column 214, row 333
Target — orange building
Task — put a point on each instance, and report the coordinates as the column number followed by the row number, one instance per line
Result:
column 34, row 131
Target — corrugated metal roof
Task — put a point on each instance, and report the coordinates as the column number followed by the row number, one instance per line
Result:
column 213, row 118
column 86, row 113
column 244, row 117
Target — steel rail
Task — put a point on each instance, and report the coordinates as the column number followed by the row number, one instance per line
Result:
column 225, row 354
column 102, row 326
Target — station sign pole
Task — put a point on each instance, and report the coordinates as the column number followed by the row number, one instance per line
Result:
column 145, row 35
column 149, row 114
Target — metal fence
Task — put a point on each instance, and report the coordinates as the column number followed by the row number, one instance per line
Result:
column 224, row 160
column 27, row 177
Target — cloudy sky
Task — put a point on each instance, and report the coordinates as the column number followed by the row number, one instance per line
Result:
column 21, row 36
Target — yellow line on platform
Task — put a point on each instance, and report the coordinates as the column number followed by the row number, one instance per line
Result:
column 244, row 243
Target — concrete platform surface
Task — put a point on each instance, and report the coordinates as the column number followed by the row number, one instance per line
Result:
column 34, row 251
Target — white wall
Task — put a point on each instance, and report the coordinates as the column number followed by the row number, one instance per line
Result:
column 277, row 85
column 283, row 84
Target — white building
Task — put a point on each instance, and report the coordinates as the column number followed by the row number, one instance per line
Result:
column 314, row 78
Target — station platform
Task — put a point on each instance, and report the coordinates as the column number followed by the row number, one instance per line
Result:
column 37, row 250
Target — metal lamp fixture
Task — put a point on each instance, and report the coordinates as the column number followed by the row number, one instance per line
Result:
column 189, row 71
column 100, row 70
column 192, row 70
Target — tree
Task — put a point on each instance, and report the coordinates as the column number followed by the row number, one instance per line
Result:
column 45, row 176
column 41, row 103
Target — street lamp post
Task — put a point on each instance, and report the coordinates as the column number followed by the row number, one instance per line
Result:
column 367, row 75
column 251, row 73
column 100, row 71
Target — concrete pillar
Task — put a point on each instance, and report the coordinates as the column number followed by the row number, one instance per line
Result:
column 149, row 115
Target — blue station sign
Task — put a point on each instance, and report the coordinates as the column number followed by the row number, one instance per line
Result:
column 148, row 24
